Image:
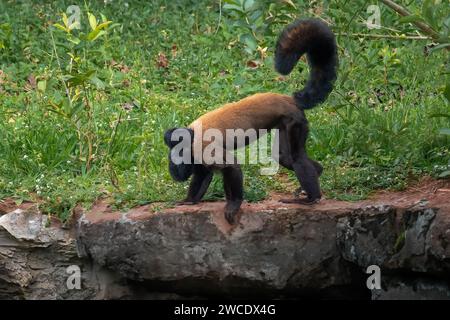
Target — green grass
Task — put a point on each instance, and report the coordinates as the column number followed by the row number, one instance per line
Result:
column 376, row 130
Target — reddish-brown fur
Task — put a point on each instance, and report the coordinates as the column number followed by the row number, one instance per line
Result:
column 259, row 111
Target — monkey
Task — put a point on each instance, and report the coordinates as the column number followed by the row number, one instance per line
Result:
column 264, row 111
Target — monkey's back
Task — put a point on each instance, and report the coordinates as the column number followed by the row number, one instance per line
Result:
column 259, row 111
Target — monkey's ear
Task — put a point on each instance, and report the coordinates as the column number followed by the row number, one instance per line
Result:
column 168, row 136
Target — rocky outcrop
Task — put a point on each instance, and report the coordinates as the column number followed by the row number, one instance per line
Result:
column 36, row 256
column 416, row 240
column 274, row 251
column 410, row 247
column 31, row 256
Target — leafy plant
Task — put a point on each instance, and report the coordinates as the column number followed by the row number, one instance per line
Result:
column 436, row 18
column 253, row 20
column 433, row 19
column 5, row 35
column 79, row 77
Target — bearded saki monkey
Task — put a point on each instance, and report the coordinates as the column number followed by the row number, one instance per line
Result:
column 265, row 111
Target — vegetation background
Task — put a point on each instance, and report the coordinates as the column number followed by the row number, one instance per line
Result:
column 82, row 111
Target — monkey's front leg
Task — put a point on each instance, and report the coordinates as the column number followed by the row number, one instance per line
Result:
column 200, row 182
column 234, row 191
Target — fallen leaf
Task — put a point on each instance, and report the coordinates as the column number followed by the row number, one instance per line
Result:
column 31, row 83
column 174, row 50
column 162, row 61
column 120, row 66
column 253, row 64
column 128, row 106
column 2, row 77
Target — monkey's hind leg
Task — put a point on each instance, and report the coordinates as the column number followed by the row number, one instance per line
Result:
column 234, row 191
column 319, row 170
column 200, row 182
column 306, row 170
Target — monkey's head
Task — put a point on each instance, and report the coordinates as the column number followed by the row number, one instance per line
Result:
column 181, row 162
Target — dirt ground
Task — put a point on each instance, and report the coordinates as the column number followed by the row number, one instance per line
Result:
column 429, row 192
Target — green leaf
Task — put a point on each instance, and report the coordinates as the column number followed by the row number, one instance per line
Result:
column 445, row 32
column 81, row 78
column 235, row 2
column 56, row 108
column 289, row 2
column 103, row 25
column 233, row 7
column 248, row 4
column 63, row 45
column 439, row 47
column 447, row 91
column 59, row 26
column 97, row 82
column 440, row 115
column 445, row 131
column 65, row 20
column 428, row 13
column 95, row 34
column 445, row 174
column 73, row 39
column 92, row 21
column 256, row 15
column 249, row 41
column 42, row 85
column 410, row 18
column 75, row 109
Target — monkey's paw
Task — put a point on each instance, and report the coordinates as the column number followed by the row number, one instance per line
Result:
column 299, row 192
column 229, row 216
column 231, row 210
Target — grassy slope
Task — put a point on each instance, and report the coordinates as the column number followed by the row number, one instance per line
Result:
column 375, row 131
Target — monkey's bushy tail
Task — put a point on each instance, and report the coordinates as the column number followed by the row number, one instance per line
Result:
column 313, row 37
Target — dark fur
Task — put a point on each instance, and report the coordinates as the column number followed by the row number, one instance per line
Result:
column 179, row 172
column 313, row 37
